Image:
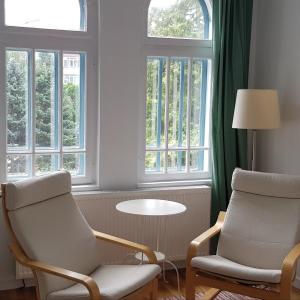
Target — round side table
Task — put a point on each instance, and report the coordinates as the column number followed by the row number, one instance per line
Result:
column 155, row 208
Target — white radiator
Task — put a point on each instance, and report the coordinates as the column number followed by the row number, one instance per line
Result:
column 22, row 272
column 99, row 210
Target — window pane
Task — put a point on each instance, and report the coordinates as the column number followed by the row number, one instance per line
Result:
column 176, row 161
column 177, row 18
column 177, row 102
column 73, row 100
column 46, row 163
column 199, row 160
column 48, row 14
column 17, row 97
column 187, row 82
column 18, row 166
column 46, row 100
column 74, row 163
column 198, row 103
column 154, row 162
column 156, row 93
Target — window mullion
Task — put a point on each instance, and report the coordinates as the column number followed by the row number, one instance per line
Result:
column 3, row 118
column 181, row 108
column 82, row 102
column 32, row 89
column 202, row 111
column 167, row 114
column 159, row 112
column 2, row 12
column 83, row 105
column 60, row 109
column 56, row 112
column 188, row 119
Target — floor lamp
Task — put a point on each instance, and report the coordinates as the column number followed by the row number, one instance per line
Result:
column 256, row 109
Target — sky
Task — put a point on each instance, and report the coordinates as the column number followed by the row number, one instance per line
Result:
column 52, row 13
column 43, row 13
column 162, row 3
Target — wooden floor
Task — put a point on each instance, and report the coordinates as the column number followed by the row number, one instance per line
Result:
column 168, row 289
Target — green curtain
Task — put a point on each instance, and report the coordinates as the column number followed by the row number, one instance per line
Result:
column 231, row 46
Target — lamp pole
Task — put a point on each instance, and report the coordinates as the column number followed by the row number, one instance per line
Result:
column 254, row 131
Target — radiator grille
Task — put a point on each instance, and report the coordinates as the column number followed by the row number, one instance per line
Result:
column 23, row 272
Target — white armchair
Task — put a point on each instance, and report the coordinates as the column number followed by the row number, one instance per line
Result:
column 51, row 236
column 258, row 242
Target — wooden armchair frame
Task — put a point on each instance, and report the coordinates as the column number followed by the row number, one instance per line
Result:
column 92, row 287
column 194, row 276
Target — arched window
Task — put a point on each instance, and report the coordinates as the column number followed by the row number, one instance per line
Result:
column 49, row 49
column 46, row 14
column 178, row 53
column 179, row 19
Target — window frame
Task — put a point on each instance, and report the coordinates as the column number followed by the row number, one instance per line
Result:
column 64, row 41
column 84, row 20
column 172, row 47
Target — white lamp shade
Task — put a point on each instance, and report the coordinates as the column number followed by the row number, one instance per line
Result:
column 256, row 109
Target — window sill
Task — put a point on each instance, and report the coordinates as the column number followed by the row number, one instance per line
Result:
column 82, row 190
column 85, row 188
column 175, row 183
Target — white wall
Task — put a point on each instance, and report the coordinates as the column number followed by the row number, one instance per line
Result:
column 121, row 59
column 275, row 63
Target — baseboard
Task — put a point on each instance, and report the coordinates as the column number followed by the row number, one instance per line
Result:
column 10, row 284
column 29, row 282
column 297, row 282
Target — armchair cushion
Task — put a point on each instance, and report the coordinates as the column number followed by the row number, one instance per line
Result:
column 262, row 222
column 114, row 282
column 34, row 190
column 222, row 266
column 267, row 184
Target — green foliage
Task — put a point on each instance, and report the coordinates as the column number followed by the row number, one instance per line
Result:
column 71, row 102
column 70, row 162
column 44, row 99
column 43, row 163
column 45, row 110
column 182, row 19
column 16, row 93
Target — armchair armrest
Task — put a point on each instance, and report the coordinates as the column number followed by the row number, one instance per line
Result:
column 128, row 244
column 205, row 236
column 288, row 268
column 87, row 281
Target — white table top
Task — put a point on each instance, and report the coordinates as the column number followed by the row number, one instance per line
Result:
column 151, row 207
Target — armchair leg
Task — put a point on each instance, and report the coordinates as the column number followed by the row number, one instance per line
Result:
column 190, row 284
column 154, row 289
column 211, row 294
column 286, row 287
